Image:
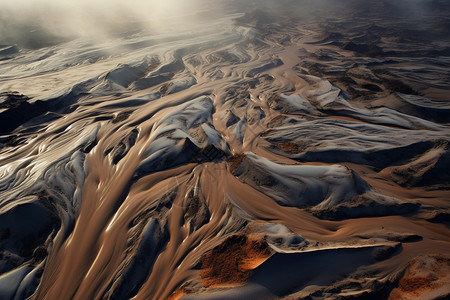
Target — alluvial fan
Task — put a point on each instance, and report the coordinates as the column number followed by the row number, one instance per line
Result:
column 266, row 149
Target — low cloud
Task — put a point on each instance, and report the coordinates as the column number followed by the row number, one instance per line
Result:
column 35, row 23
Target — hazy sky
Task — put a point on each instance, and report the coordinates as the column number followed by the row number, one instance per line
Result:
column 21, row 20
column 87, row 17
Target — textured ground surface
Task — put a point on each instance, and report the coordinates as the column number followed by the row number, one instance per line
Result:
column 282, row 151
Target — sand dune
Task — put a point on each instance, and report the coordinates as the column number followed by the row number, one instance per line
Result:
column 271, row 149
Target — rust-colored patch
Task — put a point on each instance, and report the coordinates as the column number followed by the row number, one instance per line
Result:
column 232, row 262
column 288, row 147
column 423, row 275
column 412, row 287
column 177, row 294
column 235, row 160
column 416, row 283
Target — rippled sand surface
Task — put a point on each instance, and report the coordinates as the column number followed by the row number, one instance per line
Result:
column 272, row 150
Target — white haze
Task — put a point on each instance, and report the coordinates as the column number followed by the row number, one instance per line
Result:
column 37, row 23
column 53, row 19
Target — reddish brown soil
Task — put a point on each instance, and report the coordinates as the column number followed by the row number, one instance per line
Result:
column 235, row 160
column 231, row 262
column 289, row 147
column 176, row 295
column 414, row 284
